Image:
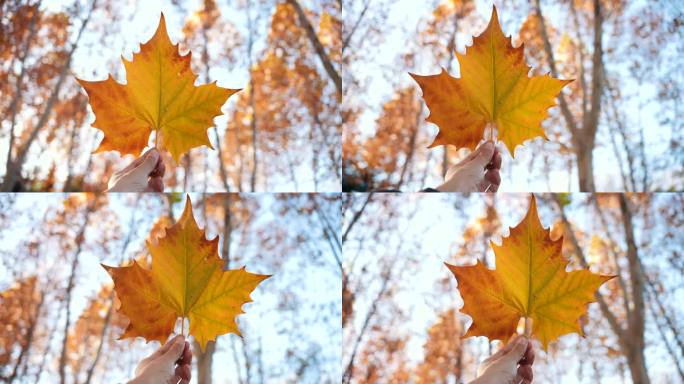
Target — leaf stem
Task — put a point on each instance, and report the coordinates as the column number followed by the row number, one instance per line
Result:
column 183, row 326
column 528, row 327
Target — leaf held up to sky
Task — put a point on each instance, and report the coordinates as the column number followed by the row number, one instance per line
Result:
column 529, row 281
column 186, row 279
column 159, row 95
column 494, row 89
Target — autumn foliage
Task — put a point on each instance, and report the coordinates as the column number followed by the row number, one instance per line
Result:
column 494, row 88
column 187, row 280
column 530, row 281
column 160, row 96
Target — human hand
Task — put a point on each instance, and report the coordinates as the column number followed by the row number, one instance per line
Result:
column 145, row 174
column 478, row 172
column 168, row 365
column 512, row 364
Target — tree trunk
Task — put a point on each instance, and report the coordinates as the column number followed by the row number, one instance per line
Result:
column 14, row 105
column 412, row 147
column 630, row 337
column 637, row 367
column 204, row 362
column 205, row 359
column 80, row 238
column 318, row 47
column 252, row 101
column 635, row 357
column 583, row 137
column 585, row 159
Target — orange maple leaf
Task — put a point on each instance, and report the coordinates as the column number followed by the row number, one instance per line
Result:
column 187, row 280
column 160, row 96
column 494, row 88
column 529, row 281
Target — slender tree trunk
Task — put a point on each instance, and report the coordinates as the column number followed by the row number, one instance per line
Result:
column 248, row 361
column 80, row 238
column 666, row 341
column 204, row 362
column 70, row 156
column 102, row 339
column 187, row 167
column 347, row 39
column 205, row 359
column 585, row 165
column 260, row 361
column 236, row 361
column 667, row 317
column 349, row 370
column 315, row 148
column 14, row 105
column 412, row 147
column 356, row 217
column 252, row 101
column 227, row 230
column 318, row 47
column 637, row 363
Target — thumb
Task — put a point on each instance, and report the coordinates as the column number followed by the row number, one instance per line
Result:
column 483, row 155
column 174, row 351
column 149, row 162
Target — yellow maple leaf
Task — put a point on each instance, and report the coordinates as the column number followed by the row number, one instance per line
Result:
column 494, row 88
column 529, row 281
column 160, row 96
column 187, row 280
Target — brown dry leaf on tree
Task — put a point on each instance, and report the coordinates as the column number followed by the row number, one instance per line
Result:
column 186, row 280
column 494, row 90
column 160, row 96
column 529, row 281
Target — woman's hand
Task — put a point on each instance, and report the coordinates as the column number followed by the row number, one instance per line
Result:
column 168, row 365
column 145, row 174
column 512, row 364
column 479, row 172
